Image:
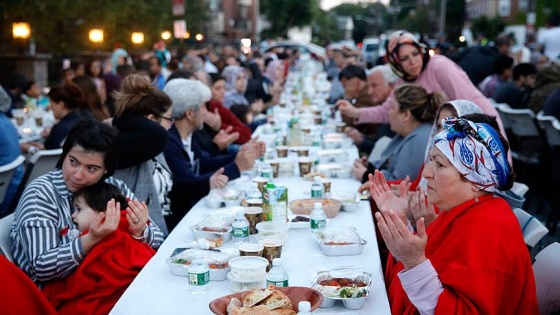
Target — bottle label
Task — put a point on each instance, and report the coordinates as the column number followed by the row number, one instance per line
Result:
column 278, row 283
column 266, row 173
column 316, row 193
column 240, row 232
column 318, row 224
column 199, row 278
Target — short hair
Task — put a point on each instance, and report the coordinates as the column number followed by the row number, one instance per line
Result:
column 186, row 94
column 215, row 77
column 97, row 195
column 352, row 71
column 157, row 59
column 502, row 63
column 180, row 73
column 240, row 111
column 502, row 40
column 523, row 69
column 29, row 85
column 138, row 96
column 70, row 94
column 94, row 136
column 389, row 77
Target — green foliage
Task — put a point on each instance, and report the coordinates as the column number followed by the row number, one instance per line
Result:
column 61, row 27
column 285, row 14
column 490, row 27
column 325, row 28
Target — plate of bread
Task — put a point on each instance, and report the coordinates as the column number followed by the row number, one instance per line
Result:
column 268, row 301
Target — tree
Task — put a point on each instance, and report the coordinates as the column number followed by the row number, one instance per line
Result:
column 285, row 14
column 61, row 26
column 491, row 28
column 368, row 18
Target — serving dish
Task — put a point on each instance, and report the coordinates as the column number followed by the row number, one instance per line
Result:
column 350, row 288
column 217, row 261
column 339, row 241
column 331, row 207
column 296, row 295
column 216, row 229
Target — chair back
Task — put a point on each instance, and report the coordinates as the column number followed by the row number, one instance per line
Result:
column 533, row 230
column 551, row 128
column 502, row 115
column 520, row 121
column 547, row 278
column 5, row 241
column 6, row 174
column 42, row 162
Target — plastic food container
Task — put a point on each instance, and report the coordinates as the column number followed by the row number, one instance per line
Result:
column 331, row 207
column 332, row 156
column 229, row 197
column 218, row 263
column 238, row 285
column 351, row 289
column 215, row 229
column 349, row 200
column 272, row 229
column 335, row 170
column 248, row 268
column 339, row 241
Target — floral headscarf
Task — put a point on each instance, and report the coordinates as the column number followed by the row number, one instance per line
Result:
column 396, row 40
column 231, row 73
column 476, row 151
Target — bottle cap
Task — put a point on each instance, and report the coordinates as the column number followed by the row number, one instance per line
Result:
column 317, row 205
column 304, row 306
column 277, row 262
column 270, row 185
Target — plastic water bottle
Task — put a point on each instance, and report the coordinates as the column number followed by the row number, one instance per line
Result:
column 317, row 188
column 199, row 275
column 304, row 308
column 240, row 228
column 318, row 218
column 254, row 193
column 277, row 274
column 266, row 170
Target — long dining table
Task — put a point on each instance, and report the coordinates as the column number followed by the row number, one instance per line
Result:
column 156, row 291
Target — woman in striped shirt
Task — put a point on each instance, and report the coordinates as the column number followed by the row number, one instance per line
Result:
column 41, row 244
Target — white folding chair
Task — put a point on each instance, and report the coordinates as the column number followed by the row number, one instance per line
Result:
column 5, row 241
column 547, row 278
column 533, row 230
column 520, row 188
column 521, row 123
column 551, row 127
column 6, row 174
column 42, row 162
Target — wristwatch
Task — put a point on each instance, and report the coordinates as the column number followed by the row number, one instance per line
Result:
column 144, row 235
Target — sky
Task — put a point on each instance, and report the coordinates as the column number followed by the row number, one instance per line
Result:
column 328, row 4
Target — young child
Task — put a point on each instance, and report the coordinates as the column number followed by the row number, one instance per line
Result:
column 109, row 268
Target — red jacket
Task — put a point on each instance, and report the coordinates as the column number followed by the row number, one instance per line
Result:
column 478, row 252
column 229, row 119
column 100, row 280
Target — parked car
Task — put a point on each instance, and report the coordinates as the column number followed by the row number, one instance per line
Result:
column 373, row 49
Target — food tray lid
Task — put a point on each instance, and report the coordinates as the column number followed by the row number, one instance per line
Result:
column 215, row 259
column 338, row 236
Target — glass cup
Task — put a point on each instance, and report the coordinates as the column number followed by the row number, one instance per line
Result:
column 305, row 165
column 38, row 115
column 261, row 182
column 326, row 185
column 340, row 127
column 253, row 214
column 249, row 249
column 254, row 203
column 272, row 249
column 303, row 152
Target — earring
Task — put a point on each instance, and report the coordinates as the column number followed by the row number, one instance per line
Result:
column 475, row 196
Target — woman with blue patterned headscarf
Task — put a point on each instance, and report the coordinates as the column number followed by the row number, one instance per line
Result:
column 472, row 259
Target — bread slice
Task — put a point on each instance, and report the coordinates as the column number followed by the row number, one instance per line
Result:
column 255, row 296
column 233, row 303
column 278, row 300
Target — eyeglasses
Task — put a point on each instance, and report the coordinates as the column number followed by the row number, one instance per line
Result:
column 169, row 119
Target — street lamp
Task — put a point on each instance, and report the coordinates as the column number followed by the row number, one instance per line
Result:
column 166, row 35
column 199, row 37
column 96, row 35
column 21, row 30
column 137, row 38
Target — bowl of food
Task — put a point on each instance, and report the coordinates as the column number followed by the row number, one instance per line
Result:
column 266, row 299
column 216, row 229
column 349, row 287
column 331, row 207
column 272, row 230
column 349, row 199
column 218, row 263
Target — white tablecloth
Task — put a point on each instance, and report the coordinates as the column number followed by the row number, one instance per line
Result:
column 156, row 291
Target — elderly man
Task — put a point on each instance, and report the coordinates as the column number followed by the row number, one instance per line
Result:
column 194, row 171
column 380, row 82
